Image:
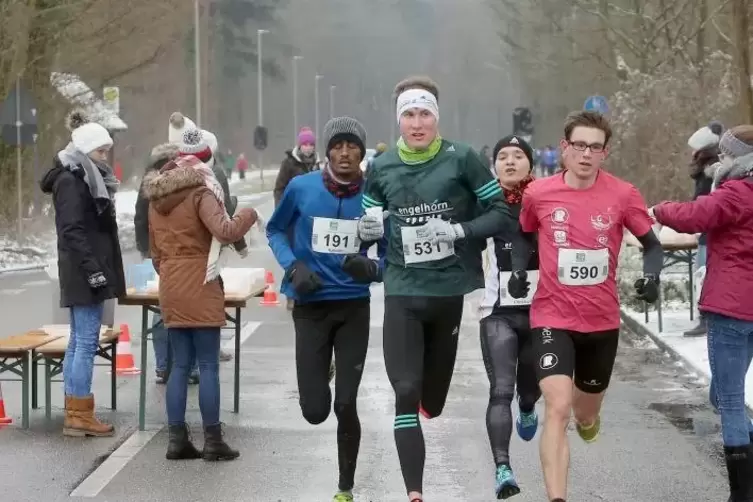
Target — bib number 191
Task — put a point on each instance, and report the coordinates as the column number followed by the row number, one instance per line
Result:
column 336, row 241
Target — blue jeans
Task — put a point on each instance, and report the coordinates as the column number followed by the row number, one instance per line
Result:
column 189, row 345
column 161, row 344
column 730, row 346
column 700, row 256
column 78, row 365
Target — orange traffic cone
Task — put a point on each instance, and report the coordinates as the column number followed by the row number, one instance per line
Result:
column 270, row 295
column 4, row 420
column 124, row 363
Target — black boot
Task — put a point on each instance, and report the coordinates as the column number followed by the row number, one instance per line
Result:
column 180, row 446
column 215, row 448
column 739, row 461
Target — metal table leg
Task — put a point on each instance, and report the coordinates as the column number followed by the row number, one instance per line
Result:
column 47, row 389
column 113, row 376
column 690, row 283
column 142, row 383
column 237, row 383
column 34, row 381
column 25, row 368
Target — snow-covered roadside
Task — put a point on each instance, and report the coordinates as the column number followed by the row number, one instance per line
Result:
column 37, row 251
column 676, row 320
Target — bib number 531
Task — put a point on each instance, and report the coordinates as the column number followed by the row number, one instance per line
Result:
column 418, row 246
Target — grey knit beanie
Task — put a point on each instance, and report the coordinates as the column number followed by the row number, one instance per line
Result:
column 345, row 129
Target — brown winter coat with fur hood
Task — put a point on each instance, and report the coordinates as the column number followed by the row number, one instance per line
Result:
column 184, row 214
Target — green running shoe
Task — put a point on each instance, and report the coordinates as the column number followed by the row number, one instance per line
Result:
column 591, row 433
column 343, row 497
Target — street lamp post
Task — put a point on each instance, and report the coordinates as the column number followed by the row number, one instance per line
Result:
column 295, row 97
column 197, row 59
column 332, row 101
column 316, row 105
column 260, row 96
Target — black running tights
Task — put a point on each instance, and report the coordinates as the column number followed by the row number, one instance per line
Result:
column 322, row 327
column 420, row 344
column 506, row 349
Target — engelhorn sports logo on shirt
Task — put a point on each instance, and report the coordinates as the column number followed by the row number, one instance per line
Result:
column 420, row 213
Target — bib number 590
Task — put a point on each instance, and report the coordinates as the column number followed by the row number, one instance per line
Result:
column 584, row 272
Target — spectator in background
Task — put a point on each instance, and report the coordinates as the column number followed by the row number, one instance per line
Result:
column 300, row 160
column 90, row 263
column 161, row 155
column 705, row 145
column 549, row 160
column 241, row 165
column 229, row 164
column 727, row 216
column 179, row 124
column 187, row 218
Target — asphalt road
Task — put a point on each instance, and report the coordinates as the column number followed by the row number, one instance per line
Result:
column 660, row 440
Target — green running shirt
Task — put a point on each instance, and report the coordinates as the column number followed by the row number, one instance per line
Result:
column 456, row 186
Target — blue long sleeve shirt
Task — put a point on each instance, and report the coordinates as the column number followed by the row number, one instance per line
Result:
column 304, row 227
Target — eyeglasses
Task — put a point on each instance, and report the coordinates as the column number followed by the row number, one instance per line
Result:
column 582, row 145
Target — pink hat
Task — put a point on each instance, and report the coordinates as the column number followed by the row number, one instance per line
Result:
column 306, row 137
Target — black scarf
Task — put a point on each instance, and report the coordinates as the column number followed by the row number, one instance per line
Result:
column 341, row 190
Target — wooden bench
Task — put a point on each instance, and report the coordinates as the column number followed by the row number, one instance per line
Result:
column 16, row 355
column 53, row 355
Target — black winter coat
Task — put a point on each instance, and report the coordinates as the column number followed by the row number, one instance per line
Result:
column 87, row 242
column 702, row 172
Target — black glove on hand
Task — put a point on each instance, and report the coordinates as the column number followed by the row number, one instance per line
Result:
column 647, row 288
column 518, row 286
column 303, row 279
column 361, row 268
column 97, row 280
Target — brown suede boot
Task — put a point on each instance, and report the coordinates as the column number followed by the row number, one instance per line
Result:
column 80, row 420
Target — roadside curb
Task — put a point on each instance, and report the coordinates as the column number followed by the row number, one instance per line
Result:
column 23, row 268
column 642, row 330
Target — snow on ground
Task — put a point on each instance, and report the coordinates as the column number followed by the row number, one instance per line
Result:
column 692, row 351
column 38, row 251
column 675, row 316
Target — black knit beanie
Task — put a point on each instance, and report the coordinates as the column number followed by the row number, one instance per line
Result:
column 517, row 141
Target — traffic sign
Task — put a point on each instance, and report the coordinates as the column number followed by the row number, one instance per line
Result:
column 596, row 104
column 260, row 138
column 18, row 112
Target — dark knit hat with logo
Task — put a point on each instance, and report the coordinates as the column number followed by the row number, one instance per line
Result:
column 516, row 141
column 345, row 129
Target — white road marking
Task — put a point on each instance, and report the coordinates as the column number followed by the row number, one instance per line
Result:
column 247, row 330
column 32, row 284
column 11, row 292
column 99, row 479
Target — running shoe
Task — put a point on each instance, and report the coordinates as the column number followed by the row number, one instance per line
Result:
column 343, row 497
column 591, row 433
column 505, row 485
column 527, row 425
column 423, row 412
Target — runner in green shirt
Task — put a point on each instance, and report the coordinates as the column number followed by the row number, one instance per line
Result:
column 440, row 202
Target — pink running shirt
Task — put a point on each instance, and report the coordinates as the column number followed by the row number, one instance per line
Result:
column 579, row 238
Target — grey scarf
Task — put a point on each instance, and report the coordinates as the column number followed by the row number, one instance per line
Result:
column 97, row 175
column 740, row 168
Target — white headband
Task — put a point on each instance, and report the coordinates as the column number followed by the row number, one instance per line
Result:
column 417, row 98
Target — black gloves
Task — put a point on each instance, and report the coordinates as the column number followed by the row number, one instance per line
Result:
column 97, row 280
column 362, row 268
column 647, row 288
column 303, row 279
column 518, row 286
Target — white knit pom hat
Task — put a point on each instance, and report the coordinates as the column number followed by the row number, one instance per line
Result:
column 90, row 137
